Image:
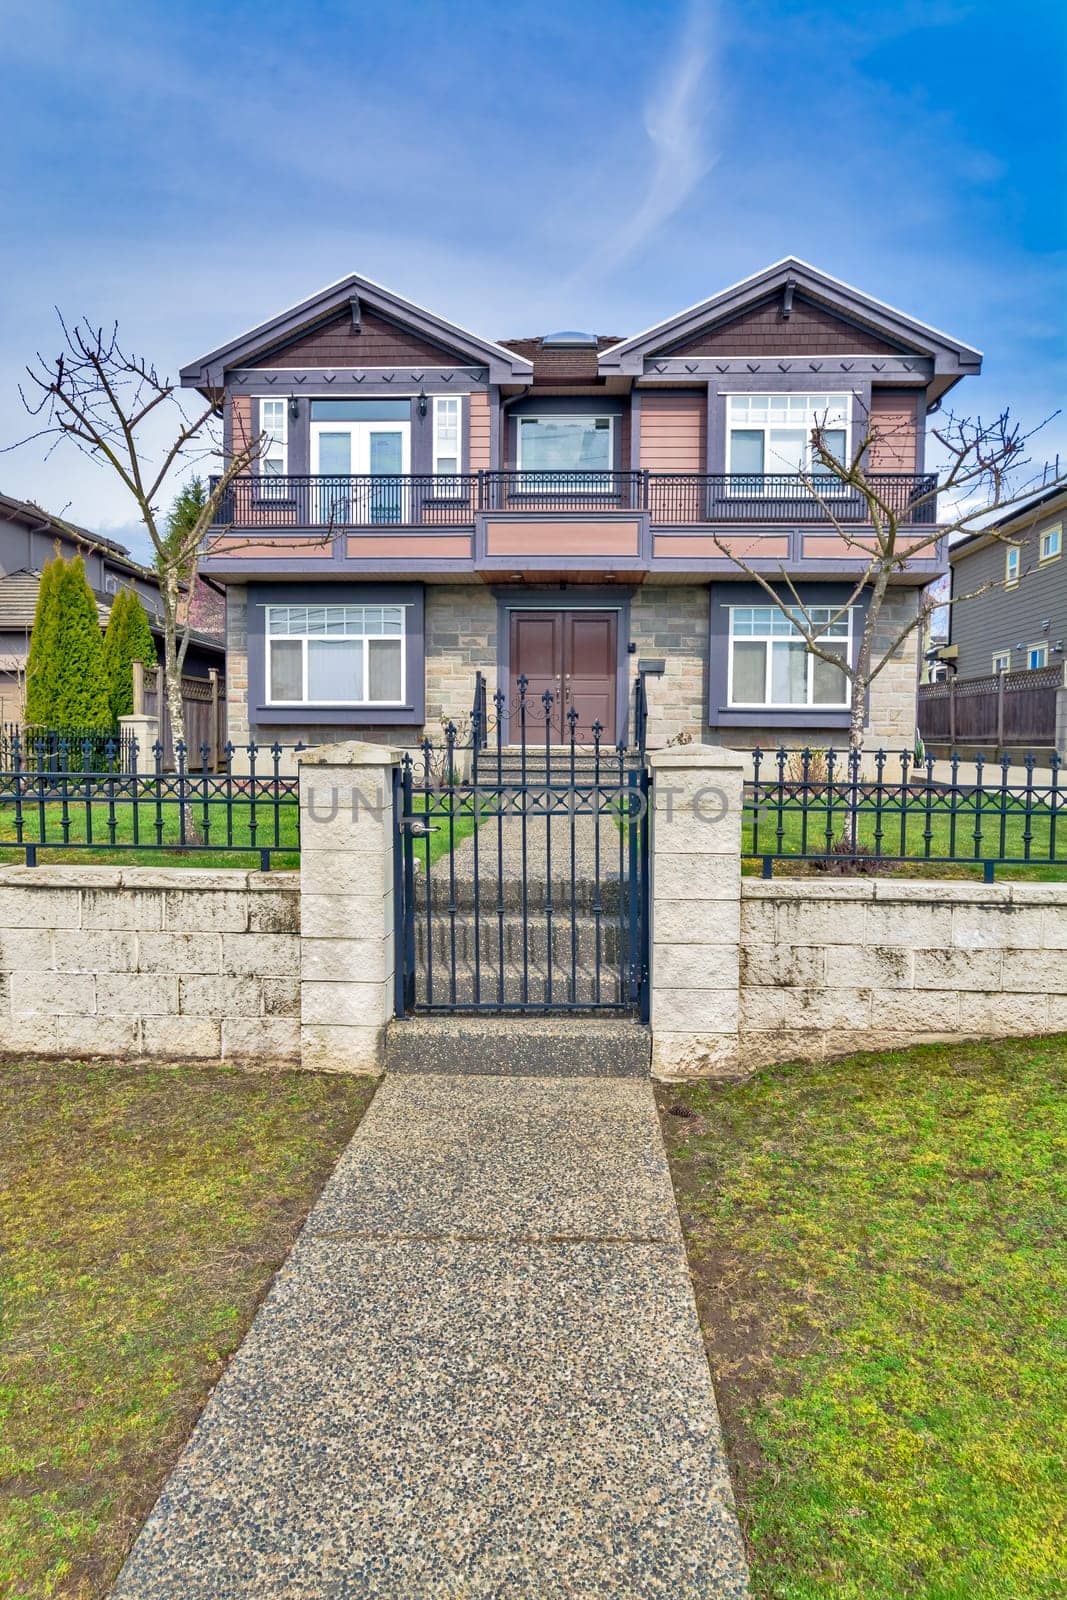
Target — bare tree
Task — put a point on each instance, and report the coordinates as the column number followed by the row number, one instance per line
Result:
column 114, row 407
column 886, row 521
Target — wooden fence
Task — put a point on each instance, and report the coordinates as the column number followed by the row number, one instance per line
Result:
column 1007, row 710
column 203, row 706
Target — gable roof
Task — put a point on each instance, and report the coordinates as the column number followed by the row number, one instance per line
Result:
column 951, row 358
column 1044, row 502
column 504, row 365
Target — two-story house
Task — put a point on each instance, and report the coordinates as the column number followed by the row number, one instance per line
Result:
column 30, row 537
column 1009, row 581
column 431, row 503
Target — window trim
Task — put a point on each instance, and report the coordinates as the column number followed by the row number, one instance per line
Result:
column 1056, row 528
column 1004, row 658
column 1041, row 648
column 606, row 474
column 729, row 395
column 807, row 705
column 1011, row 581
column 304, row 639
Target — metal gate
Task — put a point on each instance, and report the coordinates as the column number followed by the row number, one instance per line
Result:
column 521, row 870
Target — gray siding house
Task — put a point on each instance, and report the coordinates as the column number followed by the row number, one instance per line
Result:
column 432, row 505
column 29, row 537
column 1021, row 622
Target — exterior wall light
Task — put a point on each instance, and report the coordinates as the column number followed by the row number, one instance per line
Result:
column 422, row 402
column 294, row 408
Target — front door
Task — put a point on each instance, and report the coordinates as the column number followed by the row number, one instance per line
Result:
column 359, row 468
column 574, row 655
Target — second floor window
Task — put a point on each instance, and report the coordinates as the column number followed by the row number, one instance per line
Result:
column 769, row 435
column 1051, row 543
column 1011, row 566
column 582, row 446
column 1037, row 656
column 273, row 425
column 446, row 430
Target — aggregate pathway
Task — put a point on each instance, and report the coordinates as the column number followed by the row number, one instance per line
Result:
column 479, row 1374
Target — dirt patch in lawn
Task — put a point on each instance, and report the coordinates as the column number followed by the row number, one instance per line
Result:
column 144, row 1212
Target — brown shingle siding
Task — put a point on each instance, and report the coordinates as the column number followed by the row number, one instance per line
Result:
column 763, row 331
column 379, row 344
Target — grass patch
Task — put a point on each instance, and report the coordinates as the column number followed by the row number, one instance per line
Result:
column 878, row 1253
column 232, row 838
column 937, row 837
column 144, row 1212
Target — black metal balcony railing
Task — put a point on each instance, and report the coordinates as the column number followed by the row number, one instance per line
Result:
column 427, row 500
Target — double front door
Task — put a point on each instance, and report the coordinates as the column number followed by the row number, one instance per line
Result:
column 574, row 656
column 359, row 471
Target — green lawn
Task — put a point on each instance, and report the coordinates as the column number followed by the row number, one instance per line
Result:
column 143, row 1213
column 878, row 1252
column 929, row 831
column 92, row 829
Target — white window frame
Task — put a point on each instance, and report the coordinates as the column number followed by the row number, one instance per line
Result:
column 1012, row 565
column 809, row 704
column 602, row 481
column 305, row 638
column 1001, row 661
column 278, row 449
column 1045, row 537
column 440, row 487
column 1040, row 649
column 818, row 405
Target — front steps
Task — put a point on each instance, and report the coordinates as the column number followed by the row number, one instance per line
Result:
column 525, row 1046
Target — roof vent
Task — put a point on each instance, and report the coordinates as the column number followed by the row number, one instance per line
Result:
column 569, row 340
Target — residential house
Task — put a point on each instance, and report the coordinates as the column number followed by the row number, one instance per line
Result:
column 1015, row 576
column 431, row 504
column 30, row 536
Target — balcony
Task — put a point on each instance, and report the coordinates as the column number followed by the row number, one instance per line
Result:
column 319, row 504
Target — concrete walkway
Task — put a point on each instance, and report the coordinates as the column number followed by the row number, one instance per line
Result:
column 479, row 1374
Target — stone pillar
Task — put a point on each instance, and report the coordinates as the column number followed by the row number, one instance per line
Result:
column 695, row 896
column 346, row 905
column 145, row 730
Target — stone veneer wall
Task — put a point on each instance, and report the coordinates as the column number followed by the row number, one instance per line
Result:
column 832, row 966
column 667, row 621
column 143, row 961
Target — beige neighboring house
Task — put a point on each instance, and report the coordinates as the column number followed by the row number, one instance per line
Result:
column 30, row 536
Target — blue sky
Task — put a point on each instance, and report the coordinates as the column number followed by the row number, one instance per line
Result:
column 194, row 168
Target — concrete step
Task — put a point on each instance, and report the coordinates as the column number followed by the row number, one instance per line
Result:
column 511, row 937
column 549, row 1047
column 517, row 986
column 493, row 891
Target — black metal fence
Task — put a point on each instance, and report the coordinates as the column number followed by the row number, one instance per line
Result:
column 65, row 749
column 521, row 880
column 52, row 799
column 323, row 502
column 858, row 810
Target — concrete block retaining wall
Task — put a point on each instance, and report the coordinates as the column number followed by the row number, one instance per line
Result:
column 832, row 966
column 140, row 961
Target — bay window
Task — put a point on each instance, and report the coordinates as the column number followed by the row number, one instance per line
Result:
column 556, row 444
column 770, row 664
column 335, row 654
column 770, row 434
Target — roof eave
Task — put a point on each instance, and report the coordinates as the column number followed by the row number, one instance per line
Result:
column 210, row 369
column 948, row 354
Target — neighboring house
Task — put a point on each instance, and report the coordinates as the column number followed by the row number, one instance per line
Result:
column 29, row 537
column 1015, row 574
column 431, row 504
